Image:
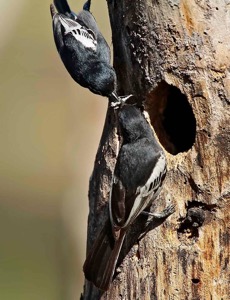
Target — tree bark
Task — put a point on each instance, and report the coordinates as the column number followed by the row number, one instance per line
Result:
column 174, row 56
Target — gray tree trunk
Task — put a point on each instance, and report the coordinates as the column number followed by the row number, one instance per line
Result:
column 175, row 57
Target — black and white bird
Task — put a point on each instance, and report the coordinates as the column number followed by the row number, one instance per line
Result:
column 139, row 172
column 83, row 50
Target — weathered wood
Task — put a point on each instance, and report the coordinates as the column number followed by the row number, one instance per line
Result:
column 175, row 56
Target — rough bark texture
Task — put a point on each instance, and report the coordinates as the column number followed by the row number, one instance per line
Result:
column 175, row 57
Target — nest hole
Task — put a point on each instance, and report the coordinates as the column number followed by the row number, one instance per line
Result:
column 172, row 118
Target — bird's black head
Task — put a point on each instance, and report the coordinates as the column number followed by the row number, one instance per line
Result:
column 133, row 124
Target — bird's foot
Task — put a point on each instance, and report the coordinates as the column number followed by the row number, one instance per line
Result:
column 115, row 104
column 164, row 214
column 123, row 99
column 119, row 100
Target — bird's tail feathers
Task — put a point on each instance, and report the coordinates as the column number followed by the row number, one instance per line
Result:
column 87, row 5
column 101, row 261
column 52, row 10
column 62, row 6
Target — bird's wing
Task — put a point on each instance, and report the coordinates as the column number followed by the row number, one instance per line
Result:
column 87, row 19
column 136, row 183
column 146, row 193
column 82, row 34
column 117, row 202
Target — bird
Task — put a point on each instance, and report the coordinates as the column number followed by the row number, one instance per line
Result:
column 139, row 172
column 84, row 51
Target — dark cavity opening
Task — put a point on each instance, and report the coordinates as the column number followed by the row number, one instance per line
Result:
column 172, row 118
column 195, row 280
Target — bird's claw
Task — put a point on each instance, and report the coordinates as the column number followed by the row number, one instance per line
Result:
column 119, row 100
column 123, row 99
column 115, row 105
column 163, row 214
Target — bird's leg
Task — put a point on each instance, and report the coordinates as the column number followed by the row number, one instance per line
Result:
column 123, row 99
column 116, row 101
column 156, row 218
column 163, row 214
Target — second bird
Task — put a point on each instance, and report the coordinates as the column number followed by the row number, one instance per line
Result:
column 83, row 49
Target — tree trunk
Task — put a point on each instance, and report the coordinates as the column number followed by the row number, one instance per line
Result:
column 174, row 56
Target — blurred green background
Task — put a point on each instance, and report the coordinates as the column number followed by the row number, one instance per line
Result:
column 50, row 130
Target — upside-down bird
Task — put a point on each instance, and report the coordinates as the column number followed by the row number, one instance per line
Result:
column 83, row 49
column 139, row 172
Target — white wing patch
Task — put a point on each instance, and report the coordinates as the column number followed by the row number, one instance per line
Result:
column 80, row 33
column 150, row 190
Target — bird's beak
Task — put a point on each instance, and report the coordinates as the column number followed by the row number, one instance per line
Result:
column 52, row 11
